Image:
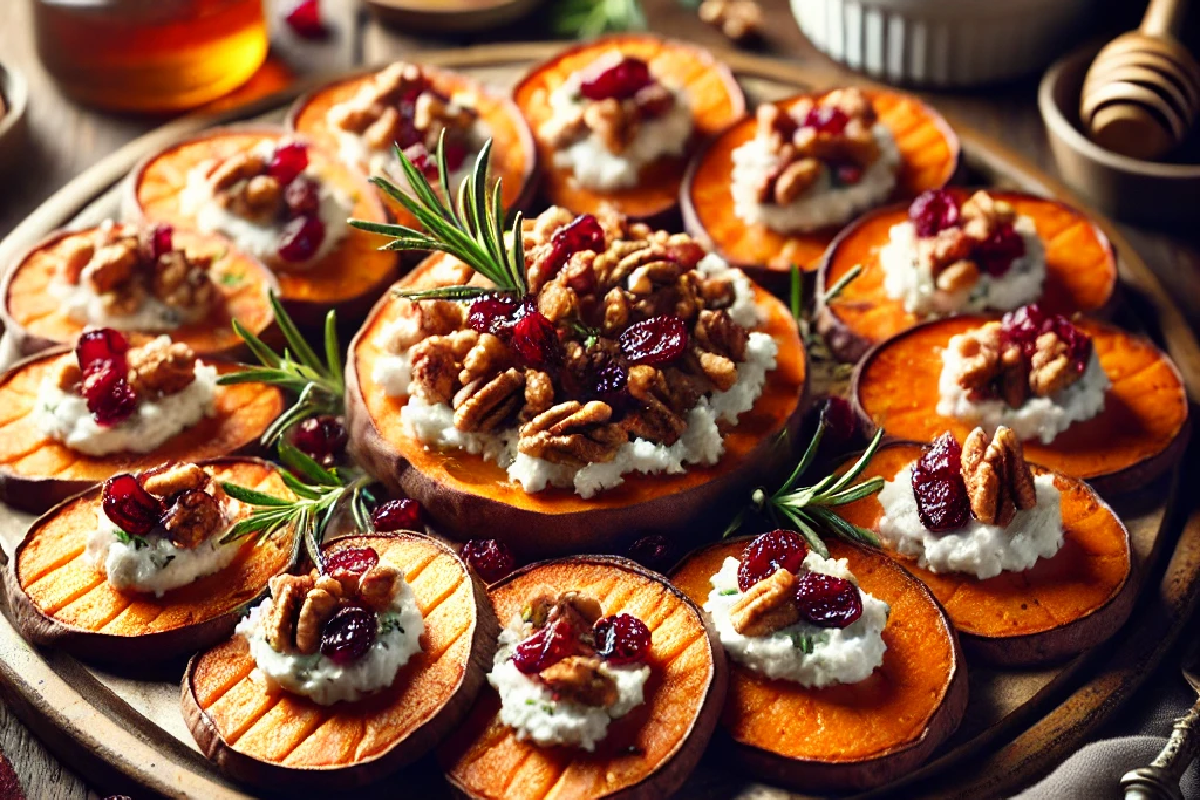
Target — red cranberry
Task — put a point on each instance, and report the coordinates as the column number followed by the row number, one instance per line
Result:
column 289, row 160
column 655, row 340
column 653, row 552
column 302, row 196
column 99, row 347
column 301, row 238
column 938, row 486
column 110, row 398
column 582, row 233
column 423, row 160
column 351, row 560
column 348, row 634
column 305, row 20
column 996, row 254
column 322, row 438
column 546, row 647
column 611, row 383
column 157, row 241
column 456, row 155
column 828, row 601
column 492, row 314
column 129, row 506
column 934, row 210
column 827, row 119
column 768, row 552
column 490, row 558
column 686, row 254
column 622, row 639
column 534, row 338
column 619, row 82
column 1024, row 325
column 398, row 515
column 407, row 133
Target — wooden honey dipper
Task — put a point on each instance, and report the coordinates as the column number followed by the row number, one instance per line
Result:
column 1141, row 95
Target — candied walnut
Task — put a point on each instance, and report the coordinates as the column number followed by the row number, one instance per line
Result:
column 125, row 302
column 161, row 367
column 958, row 277
column 739, row 20
column 235, row 169
column 775, row 125
column 287, row 593
column 580, row 610
column 68, row 375
column 319, row 605
column 263, row 194
column 716, row 293
column 558, row 302
column 653, row 275
column 767, row 606
column 716, row 332
column 616, row 311
column 74, row 254
column 621, row 258
column 381, row 133
column 376, row 585
column 193, row 517
column 482, row 405
column 982, row 214
column 396, row 79
column 549, row 221
column 684, row 390
column 1050, row 368
column 573, row 433
column 853, row 102
column 794, row 180
column 175, row 478
column 580, row 680
column 182, row 284
column 435, row 368
column 486, row 359
column 564, row 129
column 655, row 420
column 653, row 101
column 979, row 358
column 111, row 266
column 352, row 117
column 998, row 480
column 613, row 127
column 539, row 395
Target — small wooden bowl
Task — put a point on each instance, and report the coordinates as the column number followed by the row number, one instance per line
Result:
column 14, row 94
column 1153, row 192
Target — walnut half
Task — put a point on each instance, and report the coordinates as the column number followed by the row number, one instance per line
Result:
column 767, row 606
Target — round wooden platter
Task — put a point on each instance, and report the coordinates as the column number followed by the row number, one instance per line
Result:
column 125, row 731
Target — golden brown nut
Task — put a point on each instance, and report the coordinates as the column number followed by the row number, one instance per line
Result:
column 580, row 680
column 767, row 606
column 175, row 478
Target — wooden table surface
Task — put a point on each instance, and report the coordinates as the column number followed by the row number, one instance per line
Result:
column 66, row 139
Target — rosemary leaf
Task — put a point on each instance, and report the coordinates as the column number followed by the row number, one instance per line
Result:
column 842, row 283
column 251, row 496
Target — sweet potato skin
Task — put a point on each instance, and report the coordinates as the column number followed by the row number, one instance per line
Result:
column 322, row 761
column 193, row 622
column 483, row 750
column 1061, row 607
column 464, row 495
column 27, row 459
column 930, row 663
column 1081, row 268
column 1141, row 433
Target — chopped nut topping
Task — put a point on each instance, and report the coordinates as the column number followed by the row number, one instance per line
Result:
column 175, row 478
column 999, row 482
column 68, row 375
column 990, row 368
column 161, row 367
column 319, row 605
column 192, row 518
column 303, row 604
column 488, row 358
column 767, row 606
column 287, row 592
column 580, row 679
column 578, row 609
column 75, row 253
column 1050, row 368
column 740, row 20
column 656, row 421
column 111, row 266
column 539, row 395
column 376, row 586
column 573, row 433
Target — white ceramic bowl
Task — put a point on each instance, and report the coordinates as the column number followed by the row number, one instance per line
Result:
column 942, row 43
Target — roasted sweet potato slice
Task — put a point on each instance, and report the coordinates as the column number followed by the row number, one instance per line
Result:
column 1081, row 272
column 278, row 739
column 854, row 736
column 646, row 754
column 36, row 318
column 59, row 599
column 928, row 148
column 1138, row 436
column 349, row 278
column 465, row 494
column 1061, row 606
column 36, row 472
column 514, row 157
column 715, row 97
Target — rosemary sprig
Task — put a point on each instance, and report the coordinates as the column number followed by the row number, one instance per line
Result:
column 319, row 387
column 832, row 292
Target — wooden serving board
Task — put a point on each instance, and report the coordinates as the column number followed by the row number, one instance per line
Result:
column 124, row 730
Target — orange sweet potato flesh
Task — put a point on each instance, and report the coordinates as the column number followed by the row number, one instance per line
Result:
column 484, row 758
column 1090, row 571
column 34, row 467
column 242, row 283
column 1081, row 269
column 1137, row 436
column 235, row 716
column 73, row 598
column 929, row 157
column 713, row 94
column 917, row 694
column 354, row 270
column 514, row 158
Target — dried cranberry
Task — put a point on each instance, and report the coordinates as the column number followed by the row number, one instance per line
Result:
column 289, row 160
column 934, row 210
column 322, row 438
column 582, row 233
column 397, row 515
column 655, row 340
column 622, row 639
column 618, row 82
column 456, row 155
column 302, row 196
column 407, row 133
column 534, row 338
column 841, row 424
column 827, row 119
column 996, row 254
column 828, row 601
column 610, row 385
column 157, row 241
column 348, row 634
column 490, row 558
column 351, row 560
column 686, row 254
column 653, row 551
column 768, row 552
column 305, row 20
column 546, row 647
column 99, row 347
column 423, row 160
column 938, row 486
column 492, row 314
column 129, row 506
column 301, row 238
column 110, row 398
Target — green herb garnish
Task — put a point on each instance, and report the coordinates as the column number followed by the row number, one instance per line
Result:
column 727, row 592
column 803, row 641
column 231, row 278
column 138, row 542
column 586, row 19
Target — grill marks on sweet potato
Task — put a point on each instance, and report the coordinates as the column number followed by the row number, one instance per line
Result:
column 929, row 156
column 714, row 96
column 293, row 731
column 485, row 758
column 1137, row 434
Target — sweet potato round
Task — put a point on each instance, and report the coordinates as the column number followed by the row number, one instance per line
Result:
column 1138, row 436
column 647, row 754
column 58, row 599
column 929, row 158
column 855, row 736
column 282, row 740
column 714, row 95
column 1081, row 272
column 37, row 320
column 1061, row 606
column 349, row 278
column 514, row 157
column 36, row 472
column 464, row 494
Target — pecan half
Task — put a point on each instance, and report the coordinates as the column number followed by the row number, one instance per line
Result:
column 287, row 593
column 175, row 478
column 767, row 606
column 483, row 404
column 573, row 433
column 580, row 679
column 318, row 606
column 998, row 480
column 656, row 420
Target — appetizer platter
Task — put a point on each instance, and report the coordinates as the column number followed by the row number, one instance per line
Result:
column 582, row 508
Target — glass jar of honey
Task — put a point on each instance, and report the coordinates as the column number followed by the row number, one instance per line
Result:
column 150, row 56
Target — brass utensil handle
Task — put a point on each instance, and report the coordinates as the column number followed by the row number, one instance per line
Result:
column 1160, row 780
column 1163, row 18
